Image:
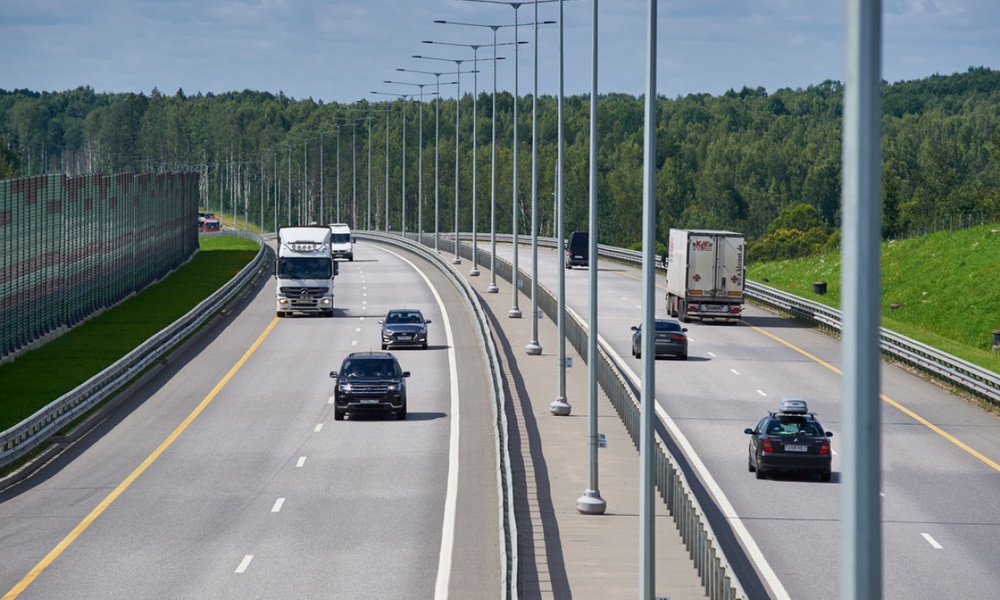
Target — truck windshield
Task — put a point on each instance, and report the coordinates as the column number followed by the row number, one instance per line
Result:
column 296, row 267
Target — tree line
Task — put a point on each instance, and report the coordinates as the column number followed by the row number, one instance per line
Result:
column 764, row 164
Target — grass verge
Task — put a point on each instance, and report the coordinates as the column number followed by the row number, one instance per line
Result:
column 39, row 376
column 941, row 289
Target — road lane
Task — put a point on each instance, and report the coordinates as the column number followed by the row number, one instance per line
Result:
column 361, row 502
column 737, row 373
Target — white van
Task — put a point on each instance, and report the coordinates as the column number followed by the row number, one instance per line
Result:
column 341, row 241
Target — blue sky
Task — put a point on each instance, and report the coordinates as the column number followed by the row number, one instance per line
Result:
column 338, row 51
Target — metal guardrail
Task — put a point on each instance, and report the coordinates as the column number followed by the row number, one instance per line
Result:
column 505, row 480
column 39, row 427
column 941, row 365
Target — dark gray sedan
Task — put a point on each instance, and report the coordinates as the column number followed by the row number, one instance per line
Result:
column 404, row 327
column 671, row 339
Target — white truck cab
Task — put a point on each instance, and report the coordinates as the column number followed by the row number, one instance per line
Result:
column 304, row 271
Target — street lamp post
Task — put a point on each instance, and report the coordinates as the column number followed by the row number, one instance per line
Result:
column 492, row 288
column 515, row 311
column 458, row 104
column 437, row 143
column 533, row 347
column 420, row 158
column 561, row 405
column 402, row 223
column 474, row 272
column 591, row 501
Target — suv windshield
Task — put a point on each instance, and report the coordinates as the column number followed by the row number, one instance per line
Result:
column 369, row 367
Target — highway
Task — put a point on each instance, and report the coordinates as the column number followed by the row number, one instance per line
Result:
column 231, row 463
column 227, row 477
column 941, row 523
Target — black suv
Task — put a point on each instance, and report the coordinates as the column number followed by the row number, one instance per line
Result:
column 369, row 382
column 790, row 440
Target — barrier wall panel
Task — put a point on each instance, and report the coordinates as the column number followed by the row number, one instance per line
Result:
column 72, row 246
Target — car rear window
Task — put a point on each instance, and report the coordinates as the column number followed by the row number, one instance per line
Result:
column 787, row 425
column 667, row 326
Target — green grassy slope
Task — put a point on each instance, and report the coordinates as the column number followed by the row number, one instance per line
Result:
column 39, row 376
column 946, row 286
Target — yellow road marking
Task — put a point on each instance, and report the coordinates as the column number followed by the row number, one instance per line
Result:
column 118, row 491
column 991, row 463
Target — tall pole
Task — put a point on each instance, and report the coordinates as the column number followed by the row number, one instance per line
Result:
column 354, row 174
column 493, row 179
column 368, row 227
column 437, row 141
column 322, row 177
column 386, row 215
column 420, row 170
column 515, row 311
column 591, row 501
column 403, row 152
column 534, row 348
column 338, row 174
column 420, row 155
column 647, row 461
column 289, row 184
column 474, row 271
column 458, row 103
column 561, row 405
column 493, row 289
column 860, row 503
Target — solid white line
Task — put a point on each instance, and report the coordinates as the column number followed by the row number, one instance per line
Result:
column 451, row 495
column 752, row 549
column 302, row 461
column 277, row 505
column 244, row 563
column 932, row 541
column 319, row 427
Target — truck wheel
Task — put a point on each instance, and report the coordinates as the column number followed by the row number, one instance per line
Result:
column 338, row 415
column 684, row 313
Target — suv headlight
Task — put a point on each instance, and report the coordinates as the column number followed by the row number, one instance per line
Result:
column 345, row 387
column 395, row 387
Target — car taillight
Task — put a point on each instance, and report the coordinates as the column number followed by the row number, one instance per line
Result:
column 825, row 447
column 767, row 445
column 736, row 308
column 677, row 338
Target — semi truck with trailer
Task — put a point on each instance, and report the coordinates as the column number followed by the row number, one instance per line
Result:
column 705, row 274
column 304, row 271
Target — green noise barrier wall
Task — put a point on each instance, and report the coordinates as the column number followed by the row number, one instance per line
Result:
column 72, row 246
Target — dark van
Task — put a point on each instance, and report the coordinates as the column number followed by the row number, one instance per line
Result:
column 578, row 250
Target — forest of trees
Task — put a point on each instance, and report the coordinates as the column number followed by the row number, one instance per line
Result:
column 765, row 164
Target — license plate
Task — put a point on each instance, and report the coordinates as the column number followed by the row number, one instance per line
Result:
column 712, row 308
column 405, row 337
column 796, row 448
column 369, row 401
